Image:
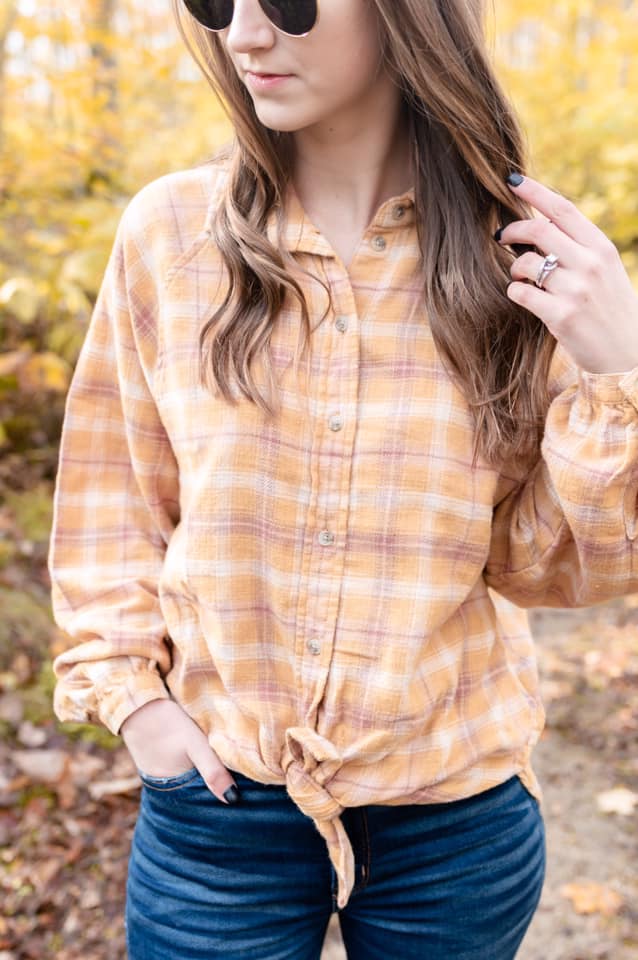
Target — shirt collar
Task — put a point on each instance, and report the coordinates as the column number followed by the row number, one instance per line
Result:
column 300, row 233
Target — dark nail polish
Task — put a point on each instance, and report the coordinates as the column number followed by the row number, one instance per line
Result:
column 232, row 794
column 497, row 235
column 515, row 179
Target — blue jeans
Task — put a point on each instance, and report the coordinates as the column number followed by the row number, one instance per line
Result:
column 445, row 881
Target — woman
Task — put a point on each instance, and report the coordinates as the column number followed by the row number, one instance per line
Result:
column 291, row 588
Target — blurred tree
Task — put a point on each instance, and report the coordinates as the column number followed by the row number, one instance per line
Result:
column 8, row 14
column 103, row 71
column 571, row 68
column 99, row 97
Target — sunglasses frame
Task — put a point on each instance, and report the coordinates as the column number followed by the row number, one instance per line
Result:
column 279, row 30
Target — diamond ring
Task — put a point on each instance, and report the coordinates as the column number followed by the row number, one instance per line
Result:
column 549, row 263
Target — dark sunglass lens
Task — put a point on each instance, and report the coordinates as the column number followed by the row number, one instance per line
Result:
column 291, row 16
column 214, row 14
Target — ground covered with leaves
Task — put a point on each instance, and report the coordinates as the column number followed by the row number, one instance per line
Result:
column 69, row 794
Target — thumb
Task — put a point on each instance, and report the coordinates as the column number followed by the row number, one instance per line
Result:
column 214, row 773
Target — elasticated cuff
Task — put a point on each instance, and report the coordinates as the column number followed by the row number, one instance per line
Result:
column 610, row 387
column 118, row 700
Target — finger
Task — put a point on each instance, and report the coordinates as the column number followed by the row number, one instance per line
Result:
column 539, row 302
column 543, row 235
column 528, row 266
column 216, row 776
column 562, row 211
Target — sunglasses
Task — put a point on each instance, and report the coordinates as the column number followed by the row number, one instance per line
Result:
column 295, row 18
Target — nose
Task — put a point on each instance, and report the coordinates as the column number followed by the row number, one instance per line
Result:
column 249, row 28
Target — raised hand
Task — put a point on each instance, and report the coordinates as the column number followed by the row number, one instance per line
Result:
column 587, row 301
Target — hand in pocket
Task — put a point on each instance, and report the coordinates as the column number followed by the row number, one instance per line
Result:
column 165, row 742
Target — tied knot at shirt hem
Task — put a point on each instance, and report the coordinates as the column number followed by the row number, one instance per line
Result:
column 308, row 755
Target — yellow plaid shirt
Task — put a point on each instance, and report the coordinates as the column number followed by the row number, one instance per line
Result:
column 319, row 593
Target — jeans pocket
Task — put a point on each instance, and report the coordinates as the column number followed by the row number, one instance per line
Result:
column 169, row 783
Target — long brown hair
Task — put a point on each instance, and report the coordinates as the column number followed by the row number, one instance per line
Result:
column 466, row 139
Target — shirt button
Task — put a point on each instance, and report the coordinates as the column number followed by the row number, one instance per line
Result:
column 398, row 211
column 336, row 422
column 378, row 243
column 326, row 538
column 314, row 646
column 341, row 323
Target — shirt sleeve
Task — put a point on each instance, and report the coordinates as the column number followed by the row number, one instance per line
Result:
column 566, row 535
column 116, row 502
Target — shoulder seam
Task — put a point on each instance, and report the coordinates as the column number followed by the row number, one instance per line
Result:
column 200, row 240
column 185, row 256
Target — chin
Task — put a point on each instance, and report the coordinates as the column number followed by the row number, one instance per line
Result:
column 283, row 124
column 280, row 126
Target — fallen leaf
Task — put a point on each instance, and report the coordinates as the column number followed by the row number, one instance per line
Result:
column 619, row 800
column 74, row 852
column 12, row 708
column 123, row 765
column 30, row 735
column 90, row 898
column 16, row 783
column 22, row 667
column 102, row 788
column 43, row 766
column 83, row 768
column 72, row 923
column 590, row 897
column 627, row 718
column 67, row 793
column 43, row 872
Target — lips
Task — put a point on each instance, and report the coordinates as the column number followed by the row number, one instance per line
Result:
column 266, row 81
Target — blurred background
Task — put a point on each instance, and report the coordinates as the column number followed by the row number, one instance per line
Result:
column 97, row 98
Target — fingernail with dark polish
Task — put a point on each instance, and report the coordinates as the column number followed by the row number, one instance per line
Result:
column 232, row 794
column 515, row 179
column 497, row 235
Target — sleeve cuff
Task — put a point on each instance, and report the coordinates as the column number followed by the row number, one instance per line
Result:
column 118, row 700
column 610, row 387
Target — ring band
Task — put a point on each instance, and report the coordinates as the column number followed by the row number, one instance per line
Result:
column 549, row 263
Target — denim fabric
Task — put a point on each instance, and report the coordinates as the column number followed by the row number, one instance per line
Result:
column 446, row 881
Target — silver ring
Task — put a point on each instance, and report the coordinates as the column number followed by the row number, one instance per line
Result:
column 549, row 263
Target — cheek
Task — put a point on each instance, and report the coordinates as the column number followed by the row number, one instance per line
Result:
column 346, row 50
column 361, row 58
column 346, row 69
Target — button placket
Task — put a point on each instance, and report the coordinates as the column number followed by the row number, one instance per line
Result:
column 332, row 464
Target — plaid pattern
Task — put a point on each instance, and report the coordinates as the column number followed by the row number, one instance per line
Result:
column 327, row 595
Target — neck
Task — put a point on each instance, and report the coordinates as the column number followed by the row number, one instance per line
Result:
column 352, row 164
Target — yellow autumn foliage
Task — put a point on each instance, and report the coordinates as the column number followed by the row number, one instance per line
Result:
column 100, row 96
